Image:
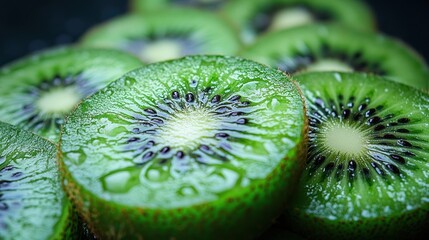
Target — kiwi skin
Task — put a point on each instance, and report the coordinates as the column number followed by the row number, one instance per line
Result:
column 407, row 224
column 201, row 221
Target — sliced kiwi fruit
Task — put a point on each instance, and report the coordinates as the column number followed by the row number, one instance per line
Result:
column 367, row 169
column 165, row 35
column 204, row 147
column 257, row 17
column 39, row 90
column 154, row 5
column 32, row 203
column 330, row 47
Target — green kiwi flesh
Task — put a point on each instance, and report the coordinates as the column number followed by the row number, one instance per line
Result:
column 367, row 169
column 39, row 90
column 155, row 5
column 257, row 17
column 165, row 35
column 32, row 202
column 329, row 47
column 197, row 148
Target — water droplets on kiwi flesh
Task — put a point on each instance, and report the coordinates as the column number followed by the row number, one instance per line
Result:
column 46, row 104
column 30, row 187
column 329, row 58
column 354, row 139
column 296, row 14
column 9, row 201
column 159, row 47
column 196, row 125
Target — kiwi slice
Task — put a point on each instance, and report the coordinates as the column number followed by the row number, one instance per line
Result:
column 39, row 90
column 32, row 203
column 260, row 16
column 153, row 5
column 367, row 169
column 330, row 47
column 204, row 147
column 165, row 35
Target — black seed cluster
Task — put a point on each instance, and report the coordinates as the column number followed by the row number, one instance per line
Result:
column 385, row 129
column 232, row 109
column 356, row 60
column 263, row 19
column 34, row 119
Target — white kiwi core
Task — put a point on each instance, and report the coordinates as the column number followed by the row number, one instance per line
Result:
column 59, row 100
column 291, row 18
column 187, row 128
column 161, row 50
column 329, row 65
column 344, row 139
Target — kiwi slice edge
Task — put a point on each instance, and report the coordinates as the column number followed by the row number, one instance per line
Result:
column 209, row 217
column 295, row 50
column 40, row 89
column 382, row 193
column 167, row 34
column 30, row 189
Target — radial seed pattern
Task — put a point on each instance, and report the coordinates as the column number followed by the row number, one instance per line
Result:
column 367, row 167
column 39, row 91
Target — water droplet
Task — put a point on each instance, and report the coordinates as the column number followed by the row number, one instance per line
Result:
column 187, row 191
column 77, row 157
column 120, row 181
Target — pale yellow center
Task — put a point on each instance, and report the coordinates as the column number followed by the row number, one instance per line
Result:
column 58, row 100
column 161, row 50
column 344, row 139
column 329, row 65
column 291, row 18
column 186, row 128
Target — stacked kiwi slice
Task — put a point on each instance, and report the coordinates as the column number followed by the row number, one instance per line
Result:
column 367, row 165
column 257, row 17
column 333, row 47
column 317, row 131
column 38, row 91
column 32, row 202
column 204, row 147
column 167, row 34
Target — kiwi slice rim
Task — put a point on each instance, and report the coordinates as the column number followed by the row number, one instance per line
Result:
column 351, row 13
column 378, row 190
column 296, row 50
column 173, row 213
column 58, row 219
column 39, row 90
column 166, row 34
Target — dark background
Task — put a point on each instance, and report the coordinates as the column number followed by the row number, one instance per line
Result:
column 27, row 26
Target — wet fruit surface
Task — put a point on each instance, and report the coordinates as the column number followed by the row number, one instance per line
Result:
column 32, row 203
column 39, row 91
column 366, row 158
column 187, row 134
